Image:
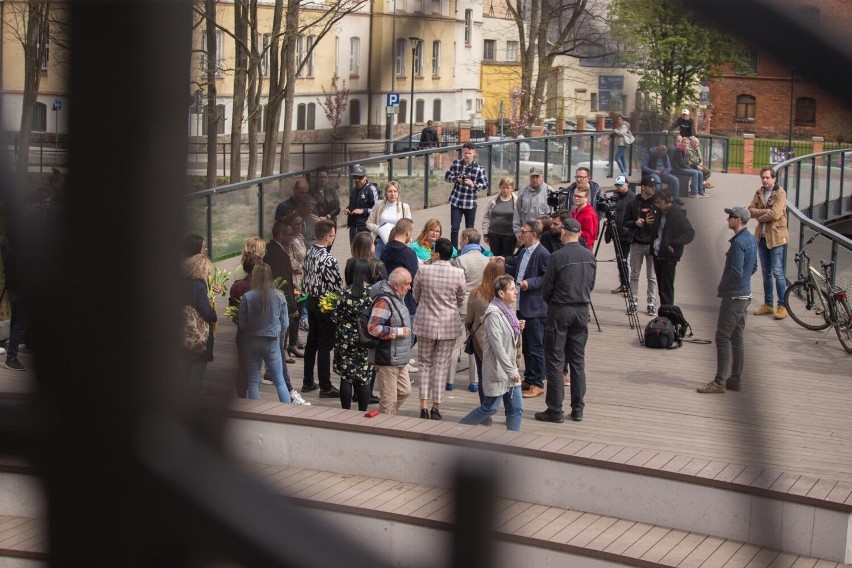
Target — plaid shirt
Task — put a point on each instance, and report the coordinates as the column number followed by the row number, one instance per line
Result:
column 322, row 273
column 462, row 195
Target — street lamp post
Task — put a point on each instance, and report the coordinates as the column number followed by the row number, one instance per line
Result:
column 414, row 42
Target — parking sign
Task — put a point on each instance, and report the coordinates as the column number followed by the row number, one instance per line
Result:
column 393, row 99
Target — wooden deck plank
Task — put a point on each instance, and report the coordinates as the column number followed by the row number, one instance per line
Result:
column 365, row 484
column 380, row 499
column 515, row 509
column 646, row 542
column 743, row 556
column 683, row 549
column 611, row 534
column 593, row 531
column 523, row 519
column 420, row 500
column 379, row 488
column 402, row 498
column 701, row 553
column 580, row 524
column 784, row 560
column 722, row 555
column 565, row 518
column 763, row 559
column 328, row 494
column 664, row 546
column 628, row 538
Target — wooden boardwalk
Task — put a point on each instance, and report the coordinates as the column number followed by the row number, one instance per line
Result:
column 792, row 414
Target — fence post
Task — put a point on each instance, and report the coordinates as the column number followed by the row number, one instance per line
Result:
column 260, row 209
column 818, row 144
column 210, row 225
column 748, row 153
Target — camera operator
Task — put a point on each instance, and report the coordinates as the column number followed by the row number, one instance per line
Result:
column 623, row 204
column 532, row 201
column 638, row 219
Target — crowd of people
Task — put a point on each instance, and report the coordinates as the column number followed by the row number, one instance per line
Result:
column 455, row 297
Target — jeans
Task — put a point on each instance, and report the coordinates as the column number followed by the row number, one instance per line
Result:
column 697, row 180
column 729, row 337
column 666, row 270
column 318, row 347
column 380, row 247
column 268, row 350
column 512, row 400
column 18, row 325
column 638, row 254
column 772, row 267
column 566, row 333
column 671, row 181
column 532, row 347
column 455, row 222
column 619, row 159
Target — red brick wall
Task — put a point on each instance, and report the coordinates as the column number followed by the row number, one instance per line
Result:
column 771, row 89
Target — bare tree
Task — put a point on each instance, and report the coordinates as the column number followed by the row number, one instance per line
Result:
column 212, row 117
column 29, row 24
column 548, row 29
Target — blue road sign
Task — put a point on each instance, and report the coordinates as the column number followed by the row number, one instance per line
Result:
column 57, row 104
column 393, row 99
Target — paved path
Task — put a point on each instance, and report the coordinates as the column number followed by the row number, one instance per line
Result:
column 791, row 415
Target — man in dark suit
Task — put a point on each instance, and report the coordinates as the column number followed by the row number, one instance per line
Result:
column 528, row 267
column 280, row 266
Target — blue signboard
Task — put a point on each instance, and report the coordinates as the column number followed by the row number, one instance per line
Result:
column 393, row 99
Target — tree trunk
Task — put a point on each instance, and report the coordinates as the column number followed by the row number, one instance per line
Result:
column 37, row 11
column 212, row 117
column 288, row 56
column 273, row 105
column 254, row 91
column 240, row 76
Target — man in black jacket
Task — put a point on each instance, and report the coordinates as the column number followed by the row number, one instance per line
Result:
column 642, row 208
column 398, row 254
column 362, row 198
column 623, row 234
column 672, row 232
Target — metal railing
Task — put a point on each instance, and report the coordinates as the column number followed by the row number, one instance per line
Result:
column 819, row 193
column 228, row 214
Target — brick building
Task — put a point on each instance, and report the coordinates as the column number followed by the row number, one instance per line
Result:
column 761, row 104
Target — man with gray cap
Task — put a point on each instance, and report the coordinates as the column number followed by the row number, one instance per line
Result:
column 735, row 291
column 566, row 288
column 532, row 201
column 362, row 197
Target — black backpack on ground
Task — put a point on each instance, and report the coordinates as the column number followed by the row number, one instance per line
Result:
column 675, row 315
column 660, row 333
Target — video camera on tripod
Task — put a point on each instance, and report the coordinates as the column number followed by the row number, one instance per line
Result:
column 559, row 199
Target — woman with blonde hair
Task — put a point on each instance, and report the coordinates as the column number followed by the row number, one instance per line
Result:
column 254, row 246
column 263, row 321
column 196, row 270
column 497, row 221
column 385, row 214
column 477, row 302
column 424, row 244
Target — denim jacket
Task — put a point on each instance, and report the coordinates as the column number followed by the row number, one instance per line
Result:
column 254, row 322
column 740, row 264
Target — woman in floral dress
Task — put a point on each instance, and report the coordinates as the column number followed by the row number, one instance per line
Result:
column 350, row 357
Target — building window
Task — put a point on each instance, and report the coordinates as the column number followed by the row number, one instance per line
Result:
column 805, row 111
column 419, row 110
column 39, row 117
column 220, row 121
column 264, row 58
column 305, row 56
column 745, row 108
column 468, row 26
column 436, row 110
column 751, row 59
column 354, row 112
column 468, row 104
column 305, row 116
column 489, row 49
column 401, row 52
column 402, row 117
column 220, row 55
column 354, row 55
column 418, row 59
column 436, row 58
column 594, row 102
column 511, row 51
column 43, row 45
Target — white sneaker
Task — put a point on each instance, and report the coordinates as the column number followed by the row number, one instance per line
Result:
column 296, row 398
column 411, row 368
column 266, row 381
column 412, row 361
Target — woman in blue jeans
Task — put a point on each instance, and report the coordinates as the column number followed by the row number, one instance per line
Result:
column 501, row 377
column 263, row 322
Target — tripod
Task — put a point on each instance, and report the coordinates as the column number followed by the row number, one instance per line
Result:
column 609, row 229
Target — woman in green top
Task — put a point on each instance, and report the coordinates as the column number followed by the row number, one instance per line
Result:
column 424, row 244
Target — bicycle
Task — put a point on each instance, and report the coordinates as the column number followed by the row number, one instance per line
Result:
column 814, row 303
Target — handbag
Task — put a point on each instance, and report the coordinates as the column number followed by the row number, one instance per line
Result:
column 629, row 138
column 195, row 330
column 469, row 347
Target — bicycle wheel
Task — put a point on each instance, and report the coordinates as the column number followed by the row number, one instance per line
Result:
column 804, row 306
column 843, row 324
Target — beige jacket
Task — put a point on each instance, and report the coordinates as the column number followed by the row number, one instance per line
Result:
column 403, row 211
column 771, row 217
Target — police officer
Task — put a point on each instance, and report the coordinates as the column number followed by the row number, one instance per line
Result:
column 566, row 288
column 362, row 198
